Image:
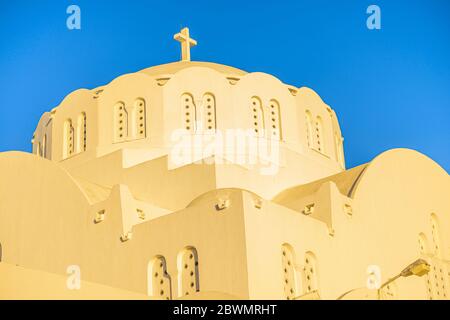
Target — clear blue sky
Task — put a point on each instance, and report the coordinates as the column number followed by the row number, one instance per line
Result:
column 389, row 87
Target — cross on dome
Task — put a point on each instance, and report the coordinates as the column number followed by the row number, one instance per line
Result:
column 186, row 43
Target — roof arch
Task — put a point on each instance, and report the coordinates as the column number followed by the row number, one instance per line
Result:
column 174, row 67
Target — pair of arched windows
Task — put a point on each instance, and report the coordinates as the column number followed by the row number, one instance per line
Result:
column 259, row 121
column 74, row 136
column 314, row 132
column 295, row 286
column 160, row 282
column 199, row 116
column 130, row 121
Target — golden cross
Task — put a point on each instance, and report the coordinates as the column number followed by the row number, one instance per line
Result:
column 186, row 44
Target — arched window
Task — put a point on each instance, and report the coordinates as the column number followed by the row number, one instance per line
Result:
column 159, row 282
column 289, row 274
column 319, row 135
column 435, row 235
column 189, row 112
column 275, row 120
column 81, row 133
column 310, row 275
column 309, row 126
column 257, row 116
column 120, row 123
column 424, row 250
column 39, row 149
column 188, row 274
column 44, row 146
column 339, row 149
column 139, row 119
column 69, row 139
column 209, row 113
column 423, row 244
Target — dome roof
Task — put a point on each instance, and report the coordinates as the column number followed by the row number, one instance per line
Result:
column 174, row 67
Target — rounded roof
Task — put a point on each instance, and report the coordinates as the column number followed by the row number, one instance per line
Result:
column 174, row 67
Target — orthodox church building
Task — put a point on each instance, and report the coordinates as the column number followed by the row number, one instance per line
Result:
column 196, row 180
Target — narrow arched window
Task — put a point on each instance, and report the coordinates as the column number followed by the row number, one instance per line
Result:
column 188, row 112
column 44, row 146
column 309, row 126
column 139, row 119
column 120, row 122
column 275, row 120
column 423, row 244
column 159, row 282
column 81, row 141
column 289, row 275
column 435, row 235
column 424, row 251
column 188, row 273
column 310, row 274
column 319, row 135
column 257, row 116
column 39, row 149
column 439, row 272
column 209, row 113
column 339, row 149
column 69, row 139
